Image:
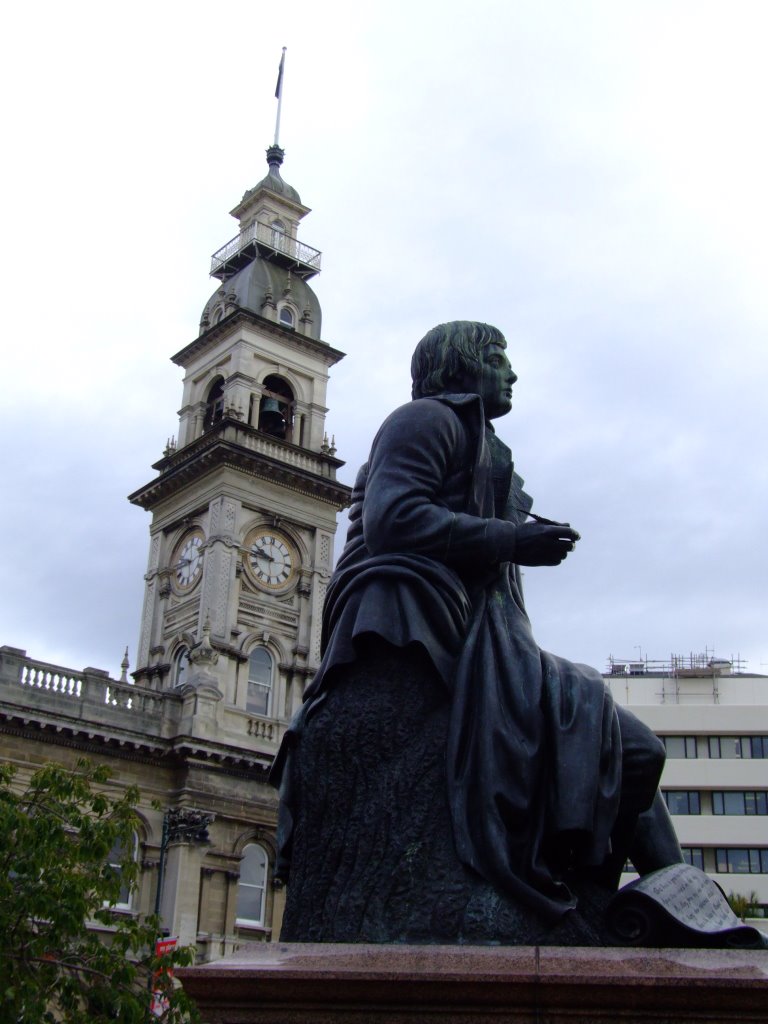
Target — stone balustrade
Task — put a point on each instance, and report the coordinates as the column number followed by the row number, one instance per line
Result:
column 120, row 711
column 289, row 454
column 52, row 678
column 26, row 681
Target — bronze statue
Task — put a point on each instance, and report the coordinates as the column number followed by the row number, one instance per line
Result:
column 447, row 780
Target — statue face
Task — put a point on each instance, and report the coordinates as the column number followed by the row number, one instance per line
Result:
column 494, row 381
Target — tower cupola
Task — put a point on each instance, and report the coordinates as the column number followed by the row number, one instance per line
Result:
column 269, row 215
column 273, row 180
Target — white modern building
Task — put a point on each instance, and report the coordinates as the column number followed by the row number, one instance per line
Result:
column 713, row 718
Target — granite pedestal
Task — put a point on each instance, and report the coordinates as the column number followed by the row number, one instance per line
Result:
column 329, row 984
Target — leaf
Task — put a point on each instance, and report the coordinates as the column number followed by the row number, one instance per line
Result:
column 55, row 838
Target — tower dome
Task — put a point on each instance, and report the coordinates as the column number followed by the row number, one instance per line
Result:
column 265, row 268
column 273, row 179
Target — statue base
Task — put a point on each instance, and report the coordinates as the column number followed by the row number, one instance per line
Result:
column 298, row 983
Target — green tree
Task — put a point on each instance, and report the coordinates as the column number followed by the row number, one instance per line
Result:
column 743, row 906
column 65, row 957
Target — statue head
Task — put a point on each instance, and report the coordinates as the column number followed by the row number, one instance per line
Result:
column 450, row 354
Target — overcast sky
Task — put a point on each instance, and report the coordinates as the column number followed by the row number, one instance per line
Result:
column 589, row 176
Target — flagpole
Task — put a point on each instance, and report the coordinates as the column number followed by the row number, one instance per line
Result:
column 279, row 95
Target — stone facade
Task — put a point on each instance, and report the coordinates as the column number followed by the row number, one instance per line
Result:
column 241, row 544
column 157, row 742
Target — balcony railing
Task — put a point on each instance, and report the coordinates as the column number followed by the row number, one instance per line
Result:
column 37, row 681
column 241, row 249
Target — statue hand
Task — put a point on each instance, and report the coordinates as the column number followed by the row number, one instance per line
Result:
column 536, row 544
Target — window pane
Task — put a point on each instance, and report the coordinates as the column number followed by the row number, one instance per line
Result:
column 182, row 664
column 249, row 900
column 258, row 699
column 115, row 859
column 734, row 803
column 678, row 746
column 682, row 801
column 253, row 865
column 717, row 803
column 738, row 861
column 252, row 885
column 259, row 681
column 278, row 233
column 260, row 666
column 694, row 855
column 714, row 746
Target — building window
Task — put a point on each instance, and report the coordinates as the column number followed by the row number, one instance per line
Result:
column 738, row 746
column 742, row 860
column 214, row 404
column 115, row 860
column 252, row 887
column 278, row 235
column 180, row 666
column 680, row 746
column 276, row 408
column 286, row 316
column 694, row 855
column 682, row 801
column 259, row 681
column 740, row 802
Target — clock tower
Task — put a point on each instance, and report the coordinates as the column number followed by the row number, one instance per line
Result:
column 244, row 505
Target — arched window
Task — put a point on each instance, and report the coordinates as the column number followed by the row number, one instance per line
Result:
column 214, row 405
column 252, row 887
column 180, row 666
column 259, row 681
column 286, row 317
column 276, row 408
column 278, row 235
column 116, row 858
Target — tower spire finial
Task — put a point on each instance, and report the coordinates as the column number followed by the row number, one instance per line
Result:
column 279, row 96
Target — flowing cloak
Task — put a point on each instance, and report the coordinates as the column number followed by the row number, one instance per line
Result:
column 534, row 748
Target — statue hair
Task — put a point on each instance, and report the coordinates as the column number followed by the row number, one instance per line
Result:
column 448, row 354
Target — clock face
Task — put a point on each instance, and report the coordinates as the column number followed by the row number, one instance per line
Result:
column 187, row 564
column 270, row 558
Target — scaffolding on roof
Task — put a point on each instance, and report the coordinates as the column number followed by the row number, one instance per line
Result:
column 678, row 666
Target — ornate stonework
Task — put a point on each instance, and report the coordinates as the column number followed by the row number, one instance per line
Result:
column 234, row 627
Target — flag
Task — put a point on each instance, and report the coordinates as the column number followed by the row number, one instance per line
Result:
column 279, row 85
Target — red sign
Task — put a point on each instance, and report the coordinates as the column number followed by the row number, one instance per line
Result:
column 163, row 946
column 159, row 999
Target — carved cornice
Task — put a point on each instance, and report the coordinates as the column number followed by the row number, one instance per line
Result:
column 291, row 339
column 224, row 446
column 88, row 738
column 94, row 738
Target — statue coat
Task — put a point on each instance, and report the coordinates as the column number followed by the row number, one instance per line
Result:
column 533, row 766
